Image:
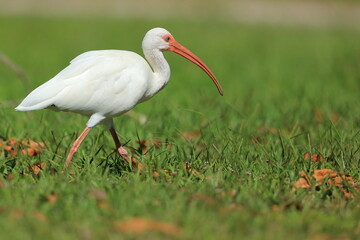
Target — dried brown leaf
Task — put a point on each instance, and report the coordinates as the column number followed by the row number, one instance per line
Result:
column 204, row 198
column 190, row 136
column 313, row 157
column 136, row 165
column 33, row 148
column 321, row 174
column 318, row 115
column 30, row 151
column 141, row 226
column 39, row 216
column 257, row 139
column 52, row 198
column 9, row 149
column 156, row 174
column 326, row 237
column 101, row 199
column 347, row 194
column 264, row 130
column 276, row 208
column 30, row 148
column 37, row 167
column 33, row 144
column 9, row 176
column 232, row 193
column 170, row 173
column 334, row 117
column 302, row 183
column 333, row 178
column 16, row 214
column 335, row 181
column 232, row 207
column 142, row 146
column 98, row 194
column 145, row 145
column 13, row 142
column 194, row 172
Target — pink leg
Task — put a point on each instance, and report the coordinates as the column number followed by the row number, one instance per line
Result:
column 75, row 146
column 121, row 150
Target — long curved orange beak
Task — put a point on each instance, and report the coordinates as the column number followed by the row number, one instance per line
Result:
column 176, row 47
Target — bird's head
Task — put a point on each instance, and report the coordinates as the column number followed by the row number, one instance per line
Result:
column 155, row 39
column 162, row 40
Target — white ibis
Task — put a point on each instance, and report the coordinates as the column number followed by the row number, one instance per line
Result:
column 106, row 83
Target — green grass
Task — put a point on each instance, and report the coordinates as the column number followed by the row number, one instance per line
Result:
column 272, row 76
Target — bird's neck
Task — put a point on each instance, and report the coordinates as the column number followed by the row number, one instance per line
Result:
column 161, row 70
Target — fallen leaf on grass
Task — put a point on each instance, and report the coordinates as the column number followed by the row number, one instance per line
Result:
column 9, row 176
column 318, row 115
column 3, row 209
column 16, row 214
column 193, row 171
column 326, row 237
column 142, row 146
column 12, row 141
column 33, row 144
column 30, row 151
column 169, row 173
column 98, row 194
column 10, row 150
column 14, row 147
column 262, row 132
column 190, row 136
column 37, row 167
column 265, row 130
column 164, row 172
column 52, row 197
column 156, row 174
column 303, row 181
column 145, row 145
column 347, row 194
column 101, row 199
column 233, row 207
column 321, row 174
column 313, row 157
column 293, row 205
column 20, row 214
column 203, row 198
column 136, row 165
column 276, row 208
column 334, row 117
column 141, row 226
column 39, row 216
column 230, row 193
column 333, row 178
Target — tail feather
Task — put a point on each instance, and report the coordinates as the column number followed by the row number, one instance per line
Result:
column 33, row 107
column 40, row 98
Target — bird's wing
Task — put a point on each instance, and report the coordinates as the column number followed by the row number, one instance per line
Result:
column 94, row 81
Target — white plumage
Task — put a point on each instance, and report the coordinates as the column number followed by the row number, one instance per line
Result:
column 107, row 83
column 101, row 82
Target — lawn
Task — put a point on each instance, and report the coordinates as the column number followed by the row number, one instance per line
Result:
column 213, row 167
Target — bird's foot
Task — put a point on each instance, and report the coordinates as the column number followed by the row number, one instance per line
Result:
column 123, row 153
column 73, row 150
